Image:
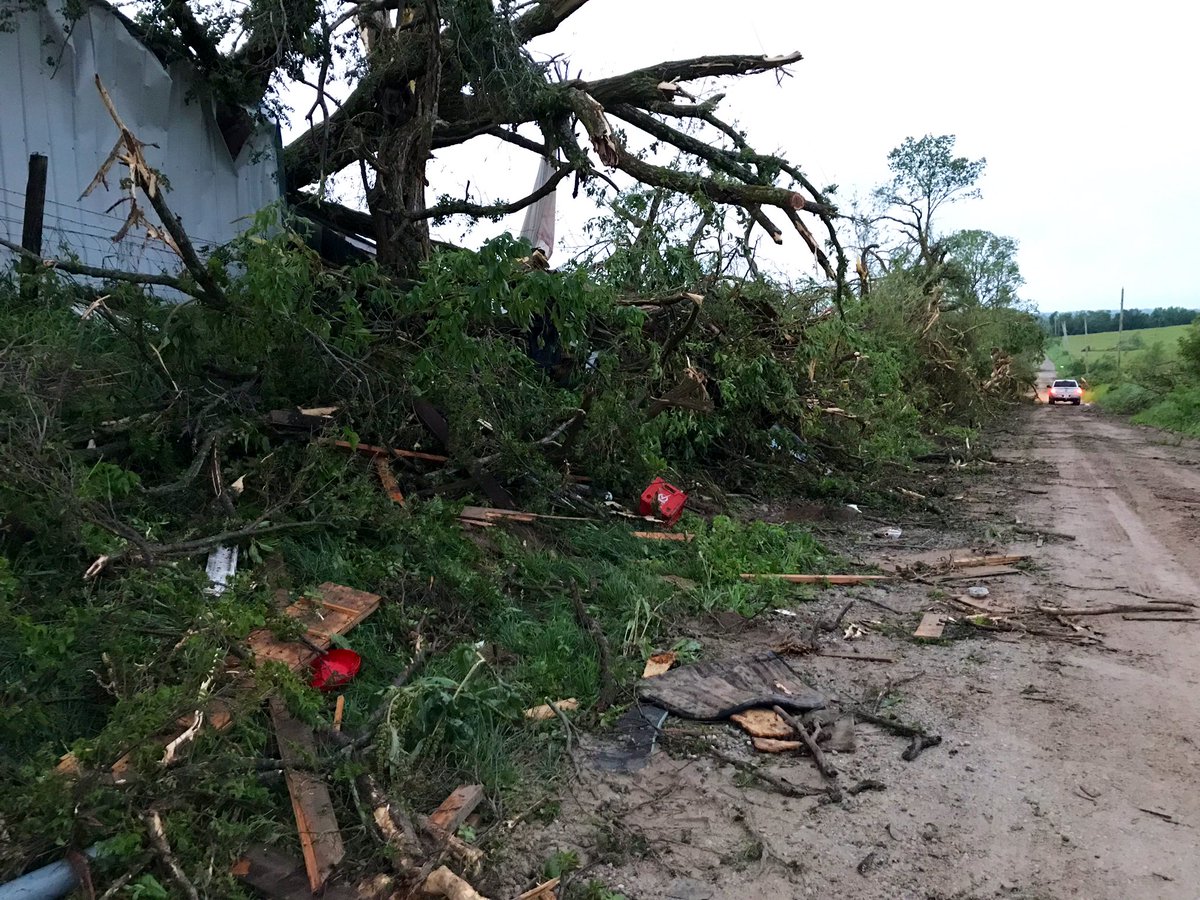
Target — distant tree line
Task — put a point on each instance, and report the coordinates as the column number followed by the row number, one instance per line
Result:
column 1099, row 320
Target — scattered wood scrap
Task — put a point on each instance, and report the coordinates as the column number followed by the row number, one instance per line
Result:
column 819, row 579
column 547, row 890
column 931, row 627
column 659, row 664
column 388, row 479
column 485, row 517
column 763, row 723
column 453, row 811
column 976, row 573
column 444, row 883
column 974, row 605
column 1107, row 609
column 546, row 711
column 664, row 536
column 971, row 562
column 316, row 824
column 824, row 766
column 396, row 452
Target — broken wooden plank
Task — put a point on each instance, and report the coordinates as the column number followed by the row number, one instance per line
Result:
column 820, row 579
column 658, row 664
column 316, row 822
column 664, row 535
column 763, row 723
column 547, row 890
column 432, row 418
column 397, row 452
column 454, row 809
column 977, row 573
column 388, row 479
column 278, row 876
column 975, row 606
column 931, row 626
column 970, row 562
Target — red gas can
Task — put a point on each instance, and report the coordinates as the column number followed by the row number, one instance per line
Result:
column 663, row 500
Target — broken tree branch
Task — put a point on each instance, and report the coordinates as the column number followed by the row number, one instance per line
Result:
column 823, row 764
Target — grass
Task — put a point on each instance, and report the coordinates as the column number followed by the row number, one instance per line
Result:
column 1095, row 347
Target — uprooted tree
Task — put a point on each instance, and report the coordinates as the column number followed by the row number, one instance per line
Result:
column 444, row 72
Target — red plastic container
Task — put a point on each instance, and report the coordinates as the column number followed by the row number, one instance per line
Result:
column 334, row 668
column 663, row 500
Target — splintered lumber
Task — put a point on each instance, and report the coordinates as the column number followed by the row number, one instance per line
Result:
column 659, row 664
column 1110, row 608
column 976, row 573
column 454, row 809
column 664, row 535
column 486, row 516
column 931, row 626
column 388, row 479
column 975, row 561
column 975, row 606
column 316, row 824
column 820, row 579
column 763, row 723
column 397, row 452
column 547, row 890
column 444, row 883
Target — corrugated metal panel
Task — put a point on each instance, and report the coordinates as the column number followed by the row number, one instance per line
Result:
column 49, row 104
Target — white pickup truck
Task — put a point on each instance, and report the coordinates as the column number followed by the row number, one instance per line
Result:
column 1064, row 390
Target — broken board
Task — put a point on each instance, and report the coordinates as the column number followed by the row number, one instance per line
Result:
column 388, row 479
column 454, row 809
column 977, row 573
column 717, row 689
column 931, row 627
column 764, row 723
column 316, row 824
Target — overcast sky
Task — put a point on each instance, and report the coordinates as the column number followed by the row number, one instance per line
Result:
column 1086, row 113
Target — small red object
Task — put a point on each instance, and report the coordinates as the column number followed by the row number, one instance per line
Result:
column 663, row 500
column 334, row 668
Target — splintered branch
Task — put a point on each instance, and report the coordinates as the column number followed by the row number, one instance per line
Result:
column 72, row 268
column 643, row 84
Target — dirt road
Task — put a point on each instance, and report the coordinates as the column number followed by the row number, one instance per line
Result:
column 1067, row 770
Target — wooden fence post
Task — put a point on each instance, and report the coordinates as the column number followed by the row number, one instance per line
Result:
column 31, row 226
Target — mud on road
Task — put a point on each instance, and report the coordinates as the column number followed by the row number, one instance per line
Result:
column 1067, row 769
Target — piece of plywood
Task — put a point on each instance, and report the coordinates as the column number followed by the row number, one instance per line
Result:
column 763, row 723
column 455, row 808
column 316, row 823
column 715, row 689
column 773, row 745
column 546, row 711
column 659, row 664
column 932, row 625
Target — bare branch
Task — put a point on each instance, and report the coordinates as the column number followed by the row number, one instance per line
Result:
column 458, row 208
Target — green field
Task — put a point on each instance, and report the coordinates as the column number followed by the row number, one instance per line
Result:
column 1094, row 347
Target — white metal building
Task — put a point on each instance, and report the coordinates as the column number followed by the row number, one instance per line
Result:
column 49, row 105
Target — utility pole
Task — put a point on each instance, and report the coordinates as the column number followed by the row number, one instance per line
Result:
column 1085, row 345
column 1120, row 331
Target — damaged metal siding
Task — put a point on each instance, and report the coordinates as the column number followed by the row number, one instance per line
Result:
column 49, row 105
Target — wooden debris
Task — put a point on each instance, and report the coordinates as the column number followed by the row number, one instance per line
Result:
column 823, row 765
column 444, row 883
column 773, row 745
column 397, row 452
column 388, row 480
column 975, row 606
column 547, row 890
column 820, row 579
column 970, row 562
column 763, row 723
column 484, row 516
column 545, row 712
column 320, row 838
column 977, row 573
column 931, row 626
column 664, row 536
column 1160, row 618
column 338, row 709
column 658, row 664
column 1110, row 608
column 302, row 419
column 454, row 809
column 1166, row 817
